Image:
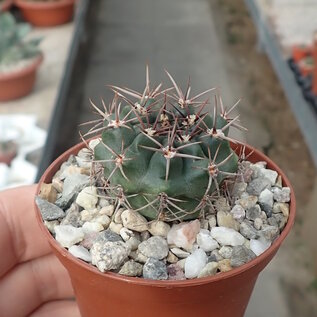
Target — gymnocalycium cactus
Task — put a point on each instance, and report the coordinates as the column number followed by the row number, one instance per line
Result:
column 13, row 46
column 162, row 153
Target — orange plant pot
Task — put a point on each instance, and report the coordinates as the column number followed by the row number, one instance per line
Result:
column 46, row 13
column 110, row 294
column 19, row 83
column 6, row 5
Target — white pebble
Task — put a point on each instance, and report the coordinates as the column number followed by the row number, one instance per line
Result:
column 227, row 236
column 80, row 252
column 206, row 242
column 126, row 234
column 269, row 174
column 68, row 235
column 266, row 197
column 238, row 212
column 258, row 247
column 87, row 198
column 195, row 263
column 89, row 227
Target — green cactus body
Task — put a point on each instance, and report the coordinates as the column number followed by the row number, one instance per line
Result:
column 167, row 161
column 13, row 45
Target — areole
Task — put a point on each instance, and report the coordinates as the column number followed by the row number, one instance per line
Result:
column 110, row 294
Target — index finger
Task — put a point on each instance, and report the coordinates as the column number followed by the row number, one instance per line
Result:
column 20, row 236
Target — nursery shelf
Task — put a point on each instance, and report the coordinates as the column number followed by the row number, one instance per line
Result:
column 305, row 115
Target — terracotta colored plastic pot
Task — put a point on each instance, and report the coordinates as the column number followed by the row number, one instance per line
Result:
column 5, row 5
column 46, row 13
column 109, row 294
column 19, row 83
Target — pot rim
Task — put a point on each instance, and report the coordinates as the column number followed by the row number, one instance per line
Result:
column 24, row 71
column 171, row 283
column 42, row 5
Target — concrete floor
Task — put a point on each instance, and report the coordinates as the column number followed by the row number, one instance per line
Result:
column 179, row 35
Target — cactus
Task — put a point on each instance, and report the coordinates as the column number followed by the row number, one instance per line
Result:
column 162, row 153
column 13, row 46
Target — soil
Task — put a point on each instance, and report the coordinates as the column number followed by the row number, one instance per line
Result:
column 277, row 134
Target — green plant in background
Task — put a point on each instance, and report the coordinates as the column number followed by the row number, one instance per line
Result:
column 162, row 153
column 13, row 43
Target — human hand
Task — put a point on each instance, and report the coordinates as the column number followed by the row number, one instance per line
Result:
column 32, row 280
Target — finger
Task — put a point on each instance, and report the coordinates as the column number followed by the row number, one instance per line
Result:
column 33, row 283
column 65, row 308
column 20, row 236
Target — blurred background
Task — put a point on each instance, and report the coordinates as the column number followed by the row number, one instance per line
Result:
column 262, row 51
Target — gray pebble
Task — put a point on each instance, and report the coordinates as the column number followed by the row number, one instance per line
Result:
column 108, row 236
column 131, row 268
column 48, row 210
column 256, row 186
column 270, row 233
column 253, row 212
column 72, row 216
column 155, row 247
column 241, row 255
column 282, row 195
column 247, row 230
column 154, row 269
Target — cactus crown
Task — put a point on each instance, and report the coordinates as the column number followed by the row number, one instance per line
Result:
column 162, row 154
column 13, row 46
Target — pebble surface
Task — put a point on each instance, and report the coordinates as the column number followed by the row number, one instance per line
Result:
column 231, row 233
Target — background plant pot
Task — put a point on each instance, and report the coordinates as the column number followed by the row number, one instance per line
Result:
column 5, row 5
column 109, row 294
column 47, row 13
column 19, row 83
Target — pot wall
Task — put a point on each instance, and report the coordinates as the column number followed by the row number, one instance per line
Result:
column 109, row 294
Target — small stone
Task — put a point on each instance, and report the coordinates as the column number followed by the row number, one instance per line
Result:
column 254, row 212
column 115, row 227
column 258, row 223
column 248, row 231
column 159, row 228
column 117, row 216
column 270, row 233
column 107, row 210
column 48, row 192
column 212, row 221
column 206, row 242
column 80, row 252
column 92, row 227
column 140, row 257
column 89, row 215
column 221, row 204
column 93, row 143
column 71, row 169
column 175, row 272
column 227, row 236
column 183, row 235
column 89, row 240
column 256, row 186
column 238, row 213
column 155, row 269
column 68, row 235
column 104, row 220
column 84, row 158
column 155, row 247
column 269, row 174
column 48, row 210
column 210, row 269
column 171, row 257
column 241, row 255
column 103, row 202
column 72, row 217
column 279, row 182
column 238, row 189
column 258, row 246
column 280, row 220
column 226, row 252
column 73, row 184
column 195, row 263
column 133, row 243
column 217, row 255
column 108, row 255
column 126, row 234
column 50, row 225
column 247, row 202
column 180, row 253
column 87, row 198
column 204, row 224
column 281, row 207
column 133, row 220
column 108, row 236
column 131, row 268
column 57, row 184
column 266, row 201
column 224, row 265
column 282, row 195
column 225, row 219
